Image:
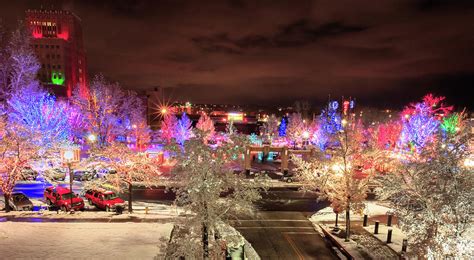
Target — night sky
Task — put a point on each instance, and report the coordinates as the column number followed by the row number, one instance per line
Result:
column 384, row 53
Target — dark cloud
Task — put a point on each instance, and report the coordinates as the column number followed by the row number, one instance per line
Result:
column 272, row 52
column 295, row 34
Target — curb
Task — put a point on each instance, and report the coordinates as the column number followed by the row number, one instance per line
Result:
column 336, row 243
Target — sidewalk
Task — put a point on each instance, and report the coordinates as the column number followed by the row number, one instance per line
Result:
column 397, row 236
column 144, row 211
column 363, row 243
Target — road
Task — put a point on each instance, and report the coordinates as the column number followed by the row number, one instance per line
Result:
column 283, row 235
column 280, row 228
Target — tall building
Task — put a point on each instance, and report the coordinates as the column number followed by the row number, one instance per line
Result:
column 57, row 41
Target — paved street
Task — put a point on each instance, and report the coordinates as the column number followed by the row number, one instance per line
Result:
column 284, row 235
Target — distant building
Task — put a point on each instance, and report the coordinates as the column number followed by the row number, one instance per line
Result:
column 57, row 41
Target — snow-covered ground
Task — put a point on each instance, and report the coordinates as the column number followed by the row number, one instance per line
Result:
column 82, row 240
column 397, row 236
column 373, row 208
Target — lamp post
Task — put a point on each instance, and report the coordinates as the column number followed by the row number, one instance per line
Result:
column 305, row 137
column 69, row 156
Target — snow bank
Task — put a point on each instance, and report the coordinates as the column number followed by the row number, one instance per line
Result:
column 81, row 240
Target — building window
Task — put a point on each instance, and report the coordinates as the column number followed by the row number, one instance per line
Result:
column 49, row 66
column 59, row 66
column 54, row 66
column 47, row 56
column 36, row 45
column 57, row 46
column 46, row 46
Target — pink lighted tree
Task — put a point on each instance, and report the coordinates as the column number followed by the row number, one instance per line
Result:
column 206, row 125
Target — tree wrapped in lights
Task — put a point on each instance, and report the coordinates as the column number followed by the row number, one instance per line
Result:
column 16, row 150
column 103, row 109
column 295, row 129
column 204, row 174
column 128, row 167
column 282, row 127
column 452, row 123
column 419, row 128
column 184, row 129
column 136, row 123
column 39, row 113
column 270, row 127
column 331, row 119
column 168, row 127
column 433, row 198
column 388, row 135
column 342, row 175
column 18, row 62
column 206, row 125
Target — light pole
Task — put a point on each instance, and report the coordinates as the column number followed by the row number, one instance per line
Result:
column 305, row 137
column 70, row 155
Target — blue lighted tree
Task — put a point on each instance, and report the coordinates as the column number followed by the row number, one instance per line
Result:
column 282, row 127
column 419, row 128
column 40, row 114
column 331, row 119
column 184, row 129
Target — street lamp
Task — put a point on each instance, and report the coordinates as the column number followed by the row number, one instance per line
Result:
column 69, row 156
column 305, row 137
column 92, row 138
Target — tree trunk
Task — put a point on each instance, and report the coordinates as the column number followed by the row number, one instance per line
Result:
column 7, row 205
column 130, row 209
column 205, row 241
column 205, row 234
column 348, row 222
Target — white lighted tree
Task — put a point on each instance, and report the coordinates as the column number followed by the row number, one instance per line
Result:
column 433, row 197
column 342, row 173
column 295, row 129
column 126, row 168
column 103, row 109
column 16, row 151
column 204, row 174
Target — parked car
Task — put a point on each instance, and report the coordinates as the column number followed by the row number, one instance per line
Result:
column 84, row 175
column 56, row 174
column 28, row 174
column 106, row 200
column 61, row 198
column 19, row 201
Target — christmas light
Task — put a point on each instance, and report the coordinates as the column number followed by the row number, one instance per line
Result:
column 282, row 127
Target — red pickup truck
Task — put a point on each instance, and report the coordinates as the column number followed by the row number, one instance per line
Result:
column 61, row 197
column 107, row 200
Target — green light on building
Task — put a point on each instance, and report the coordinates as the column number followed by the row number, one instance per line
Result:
column 57, row 78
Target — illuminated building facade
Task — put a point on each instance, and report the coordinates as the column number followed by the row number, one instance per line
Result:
column 57, row 41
